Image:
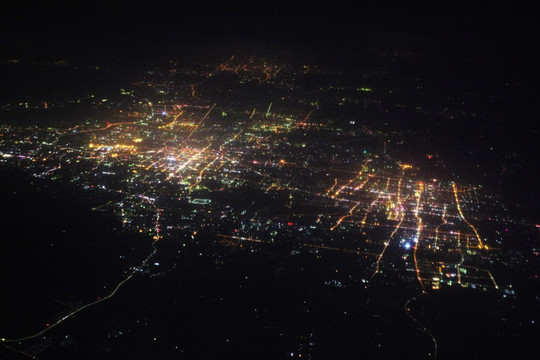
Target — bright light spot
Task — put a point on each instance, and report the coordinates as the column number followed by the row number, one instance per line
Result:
column 407, row 246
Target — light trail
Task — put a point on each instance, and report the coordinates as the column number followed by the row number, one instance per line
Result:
column 236, row 135
column 172, row 122
column 361, row 186
column 357, row 252
column 493, row 279
column 387, row 185
column 345, row 216
column 363, row 222
column 303, row 122
column 110, row 125
column 418, row 232
column 462, row 257
column 242, row 238
column 156, row 227
column 193, row 92
column 200, row 122
column 444, row 222
column 352, row 180
column 488, row 272
column 332, row 188
column 72, row 313
column 19, row 351
column 189, row 160
column 480, row 245
column 401, row 215
column 407, row 310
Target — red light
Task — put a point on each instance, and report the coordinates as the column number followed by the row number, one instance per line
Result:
column 290, row 223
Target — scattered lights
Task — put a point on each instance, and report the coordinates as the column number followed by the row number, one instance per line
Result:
column 232, row 165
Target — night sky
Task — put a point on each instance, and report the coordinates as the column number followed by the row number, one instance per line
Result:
column 496, row 33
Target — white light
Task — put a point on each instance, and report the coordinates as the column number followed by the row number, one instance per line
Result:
column 407, row 246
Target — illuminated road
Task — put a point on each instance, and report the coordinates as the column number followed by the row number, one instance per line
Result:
column 352, row 180
column 72, row 313
column 444, row 222
column 200, row 122
column 418, row 233
column 345, row 216
column 407, row 310
column 401, row 217
column 480, row 245
column 89, row 305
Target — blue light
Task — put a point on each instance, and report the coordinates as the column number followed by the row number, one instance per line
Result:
column 163, row 113
column 407, row 246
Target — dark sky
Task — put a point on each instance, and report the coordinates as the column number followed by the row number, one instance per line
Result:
column 472, row 29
